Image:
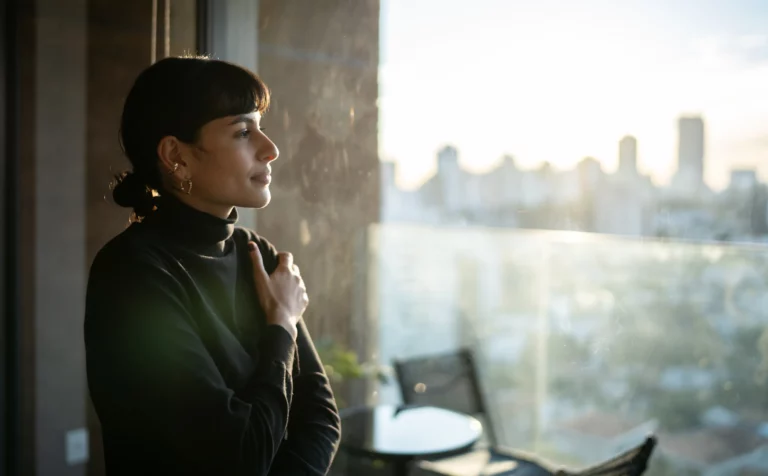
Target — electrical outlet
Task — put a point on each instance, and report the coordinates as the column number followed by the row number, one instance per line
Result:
column 77, row 446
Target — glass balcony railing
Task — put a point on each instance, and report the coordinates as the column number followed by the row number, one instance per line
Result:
column 585, row 342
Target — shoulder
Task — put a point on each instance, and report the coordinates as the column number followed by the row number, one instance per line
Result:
column 247, row 234
column 133, row 274
column 244, row 235
column 135, row 248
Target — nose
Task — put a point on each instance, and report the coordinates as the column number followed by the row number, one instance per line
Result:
column 269, row 152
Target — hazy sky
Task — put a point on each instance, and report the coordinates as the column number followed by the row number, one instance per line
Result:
column 558, row 80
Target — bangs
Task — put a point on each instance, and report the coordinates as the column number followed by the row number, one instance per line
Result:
column 221, row 89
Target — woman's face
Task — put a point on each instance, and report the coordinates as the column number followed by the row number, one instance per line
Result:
column 229, row 166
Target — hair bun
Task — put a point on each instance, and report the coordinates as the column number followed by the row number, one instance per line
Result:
column 129, row 190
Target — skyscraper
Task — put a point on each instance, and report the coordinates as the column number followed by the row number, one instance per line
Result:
column 628, row 155
column 451, row 178
column 447, row 158
column 690, row 151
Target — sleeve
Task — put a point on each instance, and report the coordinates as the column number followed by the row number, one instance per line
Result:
column 154, row 384
column 314, row 426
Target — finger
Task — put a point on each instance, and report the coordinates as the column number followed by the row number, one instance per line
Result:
column 296, row 269
column 260, row 274
column 285, row 259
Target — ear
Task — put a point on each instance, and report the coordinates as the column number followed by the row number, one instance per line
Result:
column 169, row 150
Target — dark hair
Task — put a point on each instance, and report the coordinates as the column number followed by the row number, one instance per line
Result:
column 176, row 97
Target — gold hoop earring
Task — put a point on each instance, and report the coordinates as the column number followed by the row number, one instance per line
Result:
column 186, row 186
column 174, row 169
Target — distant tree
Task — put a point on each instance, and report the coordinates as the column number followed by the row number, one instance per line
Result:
column 745, row 386
column 680, row 410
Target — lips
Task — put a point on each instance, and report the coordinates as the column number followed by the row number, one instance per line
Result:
column 263, row 178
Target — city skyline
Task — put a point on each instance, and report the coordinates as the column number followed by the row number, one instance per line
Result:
column 687, row 168
column 509, row 78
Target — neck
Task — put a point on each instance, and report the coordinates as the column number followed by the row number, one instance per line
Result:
column 189, row 225
column 220, row 211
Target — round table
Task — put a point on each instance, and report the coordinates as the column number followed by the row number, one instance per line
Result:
column 400, row 434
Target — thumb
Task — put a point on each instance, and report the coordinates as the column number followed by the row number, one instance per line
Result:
column 259, row 273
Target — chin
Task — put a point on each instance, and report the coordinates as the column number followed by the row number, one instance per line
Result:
column 252, row 198
column 262, row 200
column 262, row 204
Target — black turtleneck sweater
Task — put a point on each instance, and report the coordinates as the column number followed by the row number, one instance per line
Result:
column 184, row 373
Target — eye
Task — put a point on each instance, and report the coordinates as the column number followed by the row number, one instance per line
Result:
column 262, row 129
column 243, row 134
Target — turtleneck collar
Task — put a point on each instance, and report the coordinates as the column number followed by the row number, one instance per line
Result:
column 192, row 227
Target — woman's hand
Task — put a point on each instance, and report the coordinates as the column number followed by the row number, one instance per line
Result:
column 282, row 294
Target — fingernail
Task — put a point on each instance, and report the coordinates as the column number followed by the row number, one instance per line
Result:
column 252, row 246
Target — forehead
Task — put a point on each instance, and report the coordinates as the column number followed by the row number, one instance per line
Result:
column 237, row 119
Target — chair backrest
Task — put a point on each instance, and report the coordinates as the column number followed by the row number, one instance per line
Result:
column 445, row 380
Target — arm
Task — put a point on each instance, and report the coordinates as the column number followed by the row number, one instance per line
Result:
column 155, row 386
column 314, row 426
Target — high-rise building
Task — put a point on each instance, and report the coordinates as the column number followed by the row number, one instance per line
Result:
column 628, row 155
column 447, row 158
column 451, row 179
column 690, row 151
column 743, row 179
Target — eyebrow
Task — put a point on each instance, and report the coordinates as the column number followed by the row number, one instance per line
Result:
column 242, row 118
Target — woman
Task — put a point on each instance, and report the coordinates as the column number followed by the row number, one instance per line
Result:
column 198, row 360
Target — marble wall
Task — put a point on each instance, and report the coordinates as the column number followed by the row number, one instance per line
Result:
column 321, row 61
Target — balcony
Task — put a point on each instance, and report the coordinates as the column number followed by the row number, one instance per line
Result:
column 584, row 342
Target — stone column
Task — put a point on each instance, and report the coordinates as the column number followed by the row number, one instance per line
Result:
column 321, row 61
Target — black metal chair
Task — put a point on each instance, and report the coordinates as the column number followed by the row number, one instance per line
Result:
column 451, row 381
column 447, row 381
